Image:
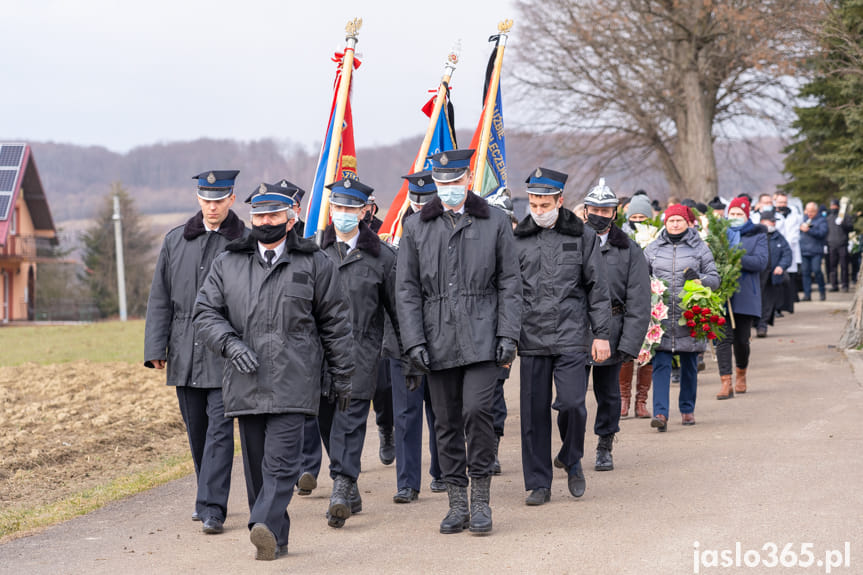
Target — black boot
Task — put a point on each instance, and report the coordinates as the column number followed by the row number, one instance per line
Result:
column 458, row 517
column 355, row 500
column 496, row 469
column 340, row 508
column 387, row 451
column 604, row 461
column 480, row 512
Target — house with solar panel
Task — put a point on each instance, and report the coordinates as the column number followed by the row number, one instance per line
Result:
column 26, row 231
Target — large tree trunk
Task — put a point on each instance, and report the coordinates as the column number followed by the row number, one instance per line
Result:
column 852, row 336
column 694, row 153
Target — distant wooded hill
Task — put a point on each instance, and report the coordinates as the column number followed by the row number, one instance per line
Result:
column 159, row 175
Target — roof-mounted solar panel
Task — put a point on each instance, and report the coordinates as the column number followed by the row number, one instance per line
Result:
column 10, row 156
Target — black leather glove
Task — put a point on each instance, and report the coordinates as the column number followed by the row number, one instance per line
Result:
column 419, row 357
column 241, row 355
column 342, row 391
column 505, row 352
column 413, row 382
column 690, row 274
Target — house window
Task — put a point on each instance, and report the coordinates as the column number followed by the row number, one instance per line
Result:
column 14, row 229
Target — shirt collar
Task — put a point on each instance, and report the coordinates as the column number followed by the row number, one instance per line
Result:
column 279, row 249
column 602, row 238
column 208, row 228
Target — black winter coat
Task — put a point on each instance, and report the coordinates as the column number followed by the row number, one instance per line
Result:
column 565, row 288
column 187, row 253
column 629, row 289
column 368, row 276
column 458, row 283
column 292, row 315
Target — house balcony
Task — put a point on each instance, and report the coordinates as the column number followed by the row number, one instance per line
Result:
column 26, row 249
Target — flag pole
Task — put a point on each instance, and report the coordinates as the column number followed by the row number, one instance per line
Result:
column 419, row 162
column 334, row 158
column 481, row 153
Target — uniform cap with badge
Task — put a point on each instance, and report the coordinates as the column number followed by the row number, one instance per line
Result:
column 421, row 187
column 451, row 165
column 271, row 198
column 349, row 193
column 545, row 182
column 293, row 190
column 216, row 185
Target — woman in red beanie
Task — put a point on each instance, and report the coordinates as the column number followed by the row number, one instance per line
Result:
column 677, row 255
column 745, row 304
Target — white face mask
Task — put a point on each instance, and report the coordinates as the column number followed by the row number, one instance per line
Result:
column 451, row 195
column 545, row 220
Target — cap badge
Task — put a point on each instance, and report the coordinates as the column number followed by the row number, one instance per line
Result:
column 538, row 173
column 421, row 182
column 262, row 189
column 444, row 160
column 284, row 184
column 347, row 184
column 211, row 178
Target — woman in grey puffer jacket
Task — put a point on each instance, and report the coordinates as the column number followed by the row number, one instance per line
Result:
column 677, row 255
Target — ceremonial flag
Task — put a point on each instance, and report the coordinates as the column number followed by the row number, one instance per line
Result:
column 490, row 174
column 442, row 139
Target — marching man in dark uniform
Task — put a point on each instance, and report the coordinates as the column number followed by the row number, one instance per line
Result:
column 367, row 274
column 566, row 304
column 273, row 307
column 459, row 303
column 629, row 288
column 410, row 390
column 171, row 341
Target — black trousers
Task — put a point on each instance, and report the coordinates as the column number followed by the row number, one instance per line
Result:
column 344, row 434
column 462, row 399
column 499, row 409
column 312, row 451
column 211, row 439
column 272, row 450
column 408, row 431
column 738, row 338
column 838, row 256
column 606, row 390
column 383, row 399
column 570, row 378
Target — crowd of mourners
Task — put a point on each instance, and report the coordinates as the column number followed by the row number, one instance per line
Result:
column 298, row 340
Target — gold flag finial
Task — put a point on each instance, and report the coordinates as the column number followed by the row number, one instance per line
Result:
column 505, row 26
column 353, row 27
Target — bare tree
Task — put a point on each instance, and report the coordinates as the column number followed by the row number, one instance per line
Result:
column 654, row 82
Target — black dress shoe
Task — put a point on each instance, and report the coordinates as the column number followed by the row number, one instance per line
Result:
column 264, row 541
column 406, row 495
column 195, row 516
column 212, row 526
column 538, row 496
column 558, row 463
column 387, row 451
column 437, row 486
column 576, row 482
column 306, row 484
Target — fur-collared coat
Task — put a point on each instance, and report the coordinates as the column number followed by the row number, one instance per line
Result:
column 566, row 301
column 292, row 315
column 458, row 283
column 187, row 253
column 368, row 277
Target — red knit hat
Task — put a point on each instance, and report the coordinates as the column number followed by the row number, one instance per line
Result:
column 679, row 210
column 742, row 203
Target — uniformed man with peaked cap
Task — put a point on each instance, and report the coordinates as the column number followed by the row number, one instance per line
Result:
column 171, row 341
column 566, row 304
column 459, row 303
column 272, row 306
column 410, row 390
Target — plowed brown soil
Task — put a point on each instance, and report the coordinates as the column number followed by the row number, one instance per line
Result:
column 69, row 427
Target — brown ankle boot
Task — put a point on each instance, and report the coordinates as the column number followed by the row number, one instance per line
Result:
column 726, row 392
column 642, row 387
column 625, row 380
column 740, row 384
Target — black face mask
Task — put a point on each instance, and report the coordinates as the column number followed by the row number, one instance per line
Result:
column 269, row 234
column 599, row 223
column 784, row 210
column 834, row 211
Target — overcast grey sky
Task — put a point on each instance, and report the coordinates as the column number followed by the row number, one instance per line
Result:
column 130, row 72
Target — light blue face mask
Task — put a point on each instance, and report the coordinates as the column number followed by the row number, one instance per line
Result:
column 451, row 195
column 736, row 222
column 345, row 222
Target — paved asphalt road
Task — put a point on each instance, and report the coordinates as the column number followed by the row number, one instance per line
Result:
column 780, row 465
